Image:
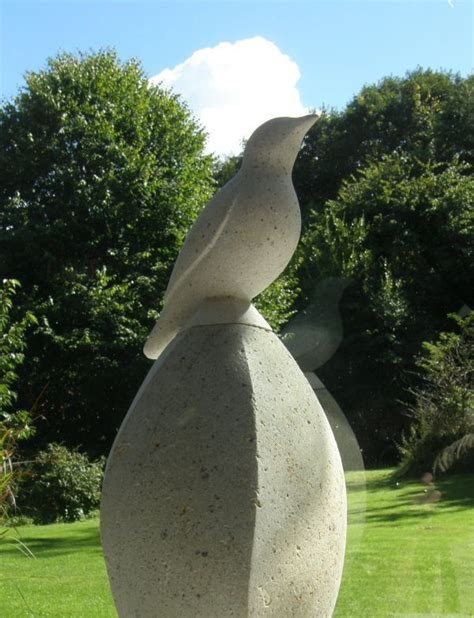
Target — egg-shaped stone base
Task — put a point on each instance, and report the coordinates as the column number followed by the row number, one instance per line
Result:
column 224, row 493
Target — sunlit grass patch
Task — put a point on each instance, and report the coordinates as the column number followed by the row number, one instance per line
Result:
column 410, row 548
column 410, row 554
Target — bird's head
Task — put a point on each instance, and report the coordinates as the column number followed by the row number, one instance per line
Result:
column 276, row 143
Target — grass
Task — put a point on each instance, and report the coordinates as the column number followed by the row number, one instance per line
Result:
column 66, row 579
column 410, row 554
column 410, row 548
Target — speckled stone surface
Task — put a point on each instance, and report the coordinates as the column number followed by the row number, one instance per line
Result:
column 224, row 492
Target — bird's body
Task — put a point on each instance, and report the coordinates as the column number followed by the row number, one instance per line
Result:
column 245, row 236
column 236, row 222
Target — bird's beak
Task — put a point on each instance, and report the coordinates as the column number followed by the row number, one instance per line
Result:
column 304, row 123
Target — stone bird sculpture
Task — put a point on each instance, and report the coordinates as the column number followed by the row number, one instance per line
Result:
column 244, row 237
column 224, row 491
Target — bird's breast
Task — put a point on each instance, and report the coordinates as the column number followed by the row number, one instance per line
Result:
column 274, row 216
column 259, row 240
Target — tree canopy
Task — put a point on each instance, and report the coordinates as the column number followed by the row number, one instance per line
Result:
column 389, row 199
column 102, row 175
column 428, row 115
column 15, row 424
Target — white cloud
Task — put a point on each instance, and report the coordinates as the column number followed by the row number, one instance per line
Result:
column 234, row 87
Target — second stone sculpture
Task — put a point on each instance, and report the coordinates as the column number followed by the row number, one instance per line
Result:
column 224, row 493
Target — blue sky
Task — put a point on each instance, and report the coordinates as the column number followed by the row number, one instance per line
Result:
column 337, row 46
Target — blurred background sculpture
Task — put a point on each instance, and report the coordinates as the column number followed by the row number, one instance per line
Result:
column 313, row 337
column 224, row 491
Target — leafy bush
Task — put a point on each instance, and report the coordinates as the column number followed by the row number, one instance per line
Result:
column 62, row 485
column 17, row 520
column 443, row 412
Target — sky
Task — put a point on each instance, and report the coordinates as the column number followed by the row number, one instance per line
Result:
column 237, row 64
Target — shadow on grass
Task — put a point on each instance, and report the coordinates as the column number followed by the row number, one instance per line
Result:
column 414, row 500
column 397, row 501
column 51, row 547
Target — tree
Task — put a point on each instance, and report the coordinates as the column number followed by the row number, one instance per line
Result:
column 15, row 424
column 387, row 200
column 427, row 115
column 402, row 231
column 442, row 428
column 102, row 175
column 226, row 168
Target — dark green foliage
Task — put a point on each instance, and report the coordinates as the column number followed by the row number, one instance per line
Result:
column 403, row 232
column 61, row 485
column 15, row 425
column 226, row 168
column 387, row 194
column 427, row 115
column 102, row 175
column 443, row 412
column 12, row 345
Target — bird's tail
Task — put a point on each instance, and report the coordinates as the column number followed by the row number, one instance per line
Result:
column 161, row 335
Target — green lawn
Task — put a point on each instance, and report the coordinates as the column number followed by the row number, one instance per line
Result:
column 410, row 549
column 410, row 553
column 66, row 578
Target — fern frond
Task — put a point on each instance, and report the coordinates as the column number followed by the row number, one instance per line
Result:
column 453, row 453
